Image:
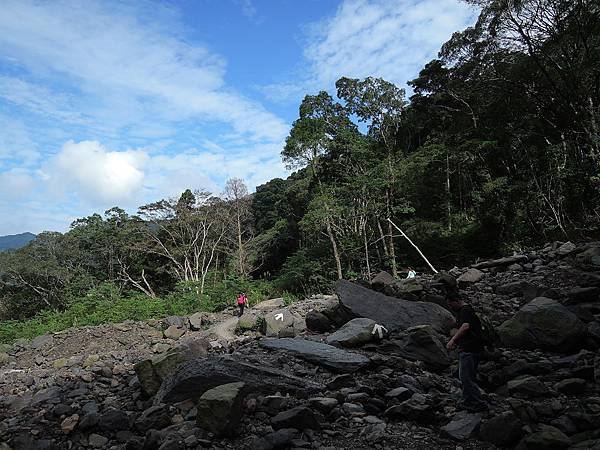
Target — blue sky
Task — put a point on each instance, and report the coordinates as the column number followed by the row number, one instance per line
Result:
column 122, row 103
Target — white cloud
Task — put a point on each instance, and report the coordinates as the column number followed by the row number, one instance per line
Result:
column 391, row 39
column 15, row 184
column 90, row 170
column 132, row 68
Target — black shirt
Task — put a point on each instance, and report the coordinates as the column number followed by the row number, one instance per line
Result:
column 471, row 341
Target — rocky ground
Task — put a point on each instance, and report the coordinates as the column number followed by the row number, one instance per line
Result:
column 366, row 368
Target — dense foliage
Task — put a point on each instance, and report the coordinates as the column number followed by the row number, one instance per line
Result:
column 498, row 148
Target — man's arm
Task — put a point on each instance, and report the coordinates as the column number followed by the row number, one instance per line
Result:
column 460, row 333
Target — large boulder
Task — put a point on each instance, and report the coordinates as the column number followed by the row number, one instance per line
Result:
column 545, row 438
column 220, row 409
column 470, row 277
column 382, row 280
column 462, row 426
column 283, row 323
column 545, row 324
column 503, row 429
column 269, row 305
column 332, row 358
column 193, row 378
column 355, row 333
column 317, row 321
column 152, row 372
column 422, row 344
column 248, row 321
column 393, row 313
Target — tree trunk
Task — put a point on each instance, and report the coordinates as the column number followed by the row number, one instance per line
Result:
column 336, row 254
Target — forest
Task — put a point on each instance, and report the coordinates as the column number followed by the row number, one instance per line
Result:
column 497, row 148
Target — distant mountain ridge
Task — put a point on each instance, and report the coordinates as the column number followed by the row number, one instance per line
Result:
column 14, row 241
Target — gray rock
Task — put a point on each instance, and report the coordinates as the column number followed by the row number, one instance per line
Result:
column 193, row 378
column 393, row 313
column 248, row 320
column 283, row 323
column 154, row 418
column 571, row 386
column 422, row 344
column 176, row 321
column 332, row 358
column 583, row 295
column 46, row 395
column 300, row 418
column 355, row 333
column 503, row 429
column 317, row 321
column 566, row 249
column 470, row 277
column 500, row 262
column 174, row 332
column 382, row 279
column 4, row 359
column 114, row 420
column 269, row 305
column 515, row 288
column 220, row 409
column 323, row 404
column 545, row 438
column 462, row 426
column 97, row 441
column 545, row 324
column 41, row 341
column 400, row 393
column 196, row 321
column 415, row 409
column 527, row 387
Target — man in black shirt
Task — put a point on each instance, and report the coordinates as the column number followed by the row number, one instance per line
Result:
column 470, row 345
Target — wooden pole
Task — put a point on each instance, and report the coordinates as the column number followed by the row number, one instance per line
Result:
column 413, row 244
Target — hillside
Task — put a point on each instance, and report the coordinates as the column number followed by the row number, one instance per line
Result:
column 14, row 241
column 135, row 385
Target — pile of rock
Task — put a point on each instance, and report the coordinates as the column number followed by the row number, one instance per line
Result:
column 364, row 369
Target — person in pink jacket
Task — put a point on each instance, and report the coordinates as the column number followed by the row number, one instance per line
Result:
column 242, row 301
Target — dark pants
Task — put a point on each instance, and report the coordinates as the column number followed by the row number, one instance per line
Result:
column 467, row 373
column 241, row 305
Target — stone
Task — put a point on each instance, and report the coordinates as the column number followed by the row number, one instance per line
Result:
column 545, row 438
column 196, row 321
column 197, row 376
column 462, row 426
column 174, row 332
column 503, row 429
column 422, row 344
column 400, row 393
column 90, row 361
column 283, row 323
column 393, row 313
column 470, row 277
column 97, row 441
column 280, row 439
column 175, row 321
column 317, row 321
column 248, row 321
column 114, row 420
column 323, row 404
column 515, row 288
column 382, row 279
column 583, row 295
column 543, row 324
column 416, row 409
column 59, row 363
column 41, row 341
column 154, row 418
column 571, row 386
column 527, row 387
column 328, row 356
column 4, row 359
column 45, row 395
column 269, row 305
column 507, row 261
column 566, row 249
column 300, row 418
column 355, row 333
column 220, row 409
column 68, row 425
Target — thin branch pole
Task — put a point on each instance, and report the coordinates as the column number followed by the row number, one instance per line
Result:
column 412, row 243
